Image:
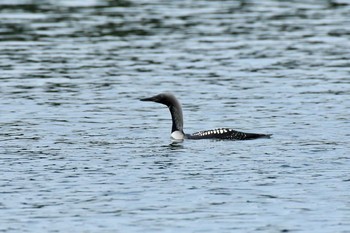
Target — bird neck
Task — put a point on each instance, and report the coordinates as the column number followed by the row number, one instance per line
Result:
column 177, row 118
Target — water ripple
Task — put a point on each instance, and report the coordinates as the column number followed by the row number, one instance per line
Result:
column 79, row 152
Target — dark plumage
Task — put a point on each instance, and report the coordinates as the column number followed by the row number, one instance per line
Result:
column 177, row 132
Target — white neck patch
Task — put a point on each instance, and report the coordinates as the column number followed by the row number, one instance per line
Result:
column 177, row 135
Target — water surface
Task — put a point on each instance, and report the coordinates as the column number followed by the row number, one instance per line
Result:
column 79, row 151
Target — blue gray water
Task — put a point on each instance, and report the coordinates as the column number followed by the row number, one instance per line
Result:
column 80, row 153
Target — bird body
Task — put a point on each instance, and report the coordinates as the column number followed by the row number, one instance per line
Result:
column 177, row 132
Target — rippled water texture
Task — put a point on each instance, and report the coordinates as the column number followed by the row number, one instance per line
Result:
column 80, row 153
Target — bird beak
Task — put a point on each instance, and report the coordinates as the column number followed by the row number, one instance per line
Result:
column 149, row 99
column 146, row 99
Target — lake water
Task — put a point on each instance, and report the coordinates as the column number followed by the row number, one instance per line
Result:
column 80, row 153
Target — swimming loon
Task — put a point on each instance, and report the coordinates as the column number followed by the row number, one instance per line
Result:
column 177, row 132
